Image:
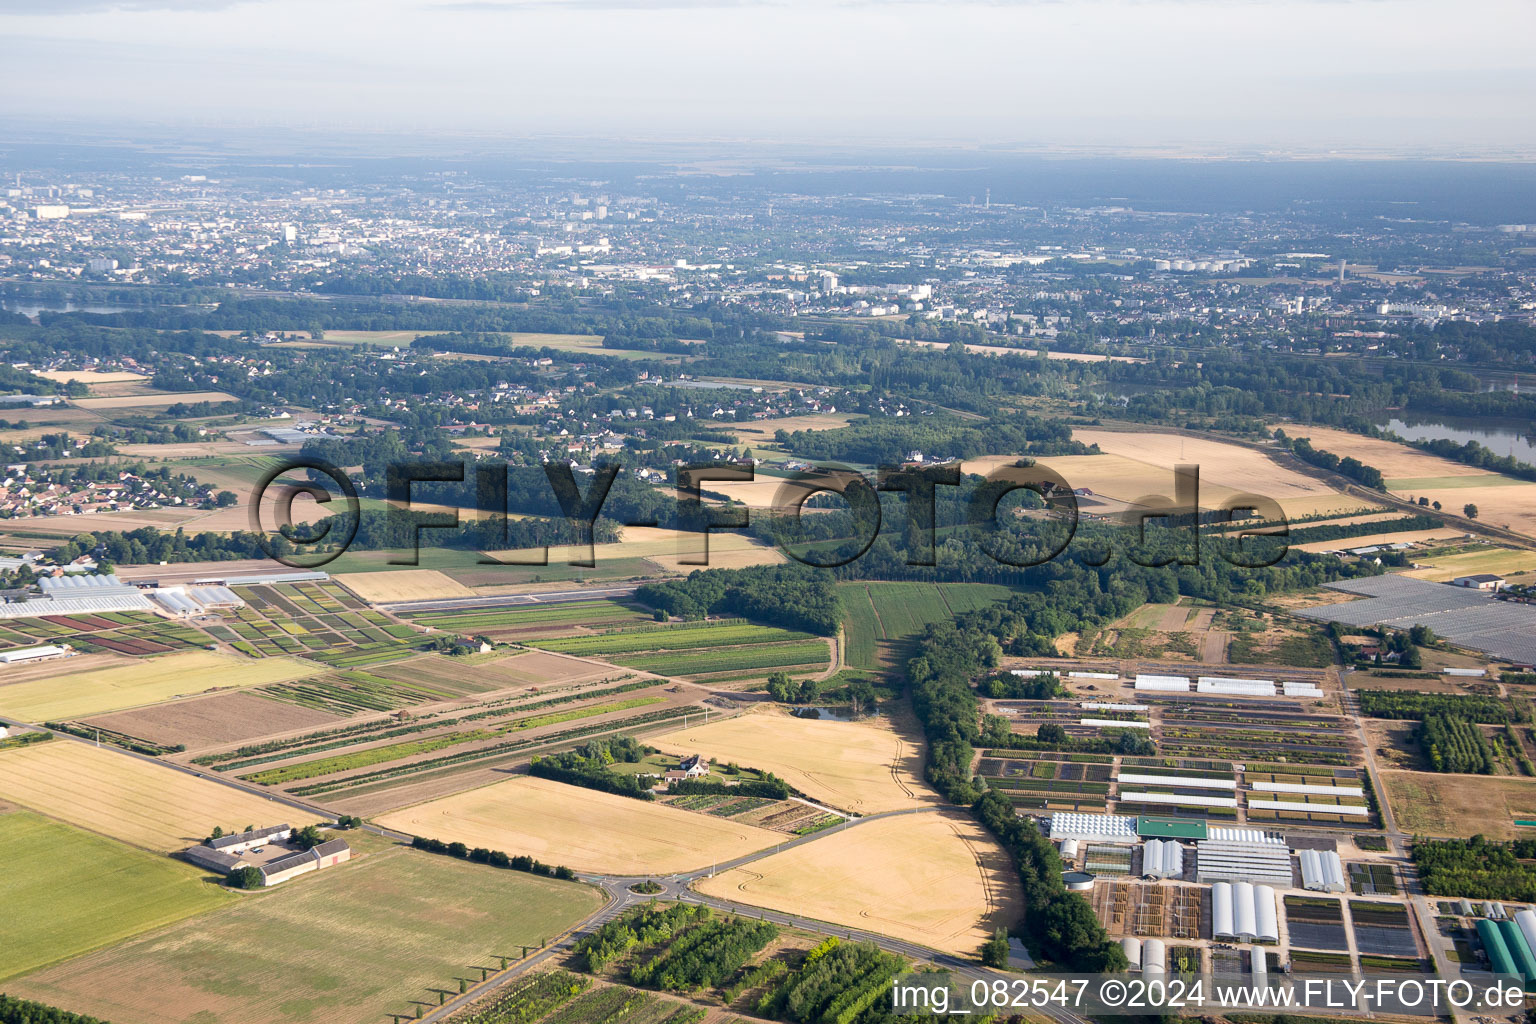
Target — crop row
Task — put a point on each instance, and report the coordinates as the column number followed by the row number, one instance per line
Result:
column 628, row 642
column 808, row 652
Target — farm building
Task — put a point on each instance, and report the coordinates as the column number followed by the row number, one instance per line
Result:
column 1479, row 581
column 1244, row 912
column 267, row 850
column 242, row 841
column 1243, row 855
column 1322, row 870
column 27, row 654
column 691, row 767
column 1097, row 828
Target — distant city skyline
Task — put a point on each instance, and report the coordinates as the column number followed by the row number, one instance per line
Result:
column 1314, row 76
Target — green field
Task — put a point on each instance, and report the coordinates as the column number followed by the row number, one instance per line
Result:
column 347, row 945
column 702, row 662
column 682, row 637
column 65, row 891
column 574, row 613
column 880, row 615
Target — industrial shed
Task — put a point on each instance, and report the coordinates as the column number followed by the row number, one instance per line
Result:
column 1322, row 871
column 1095, row 828
column 1243, row 855
column 1244, row 912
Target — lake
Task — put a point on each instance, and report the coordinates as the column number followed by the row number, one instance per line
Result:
column 1504, row 437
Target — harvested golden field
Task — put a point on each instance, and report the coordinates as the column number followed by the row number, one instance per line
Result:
column 1434, row 804
column 1393, row 459
column 665, row 548
column 102, row 383
column 144, row 681
column 160, row 399
column 1410, row 537
column 761, row 431
column 581, row 828
column 390, row 586
column 1510, row 504
column 1225, row 469
column 937, row 879
column 139, row 802
column 852, row 766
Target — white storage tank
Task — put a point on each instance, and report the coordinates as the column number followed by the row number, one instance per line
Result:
column 1245, row 926
column 1154, row 957
column 1264, row 914
column 1221, row 911
column 1132, row 948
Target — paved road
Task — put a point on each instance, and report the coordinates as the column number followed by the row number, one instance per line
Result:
column 512, row 600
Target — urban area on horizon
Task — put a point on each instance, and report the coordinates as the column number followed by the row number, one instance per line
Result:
column 500, row 733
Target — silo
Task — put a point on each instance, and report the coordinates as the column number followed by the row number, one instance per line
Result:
column 1154, row 957
column 1221, row 911
column 1132, row 947
column 1244, row 925
column 1264, row 914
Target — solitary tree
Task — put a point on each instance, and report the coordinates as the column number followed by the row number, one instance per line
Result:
column 1469, row 510
column 994, row 952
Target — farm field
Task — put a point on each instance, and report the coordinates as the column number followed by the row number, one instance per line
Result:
column 850, row 766
column 743, row 662
column 681, row 636
column 208, row 721
column 581, row 828
column 1504, row 561
column 1395, row 460
column 1410, row 473
column 1410, row 537
column 145, row 804
column 147, row 681
column 159, row 399
column 878, row 613
column 760, row 432
column 66, row 891
column 1434, row 804
column 536, row 620
column 663, row 548
column 534, row 668
column 390, row 586
column 344, row 946
column 937, row 879
column 99, row 381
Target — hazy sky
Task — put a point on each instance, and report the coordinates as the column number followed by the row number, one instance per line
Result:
column 1440, row 75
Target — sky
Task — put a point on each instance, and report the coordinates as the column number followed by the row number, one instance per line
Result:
column 1426, row 77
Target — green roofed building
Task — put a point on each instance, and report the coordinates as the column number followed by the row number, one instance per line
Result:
column 1170, row 828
